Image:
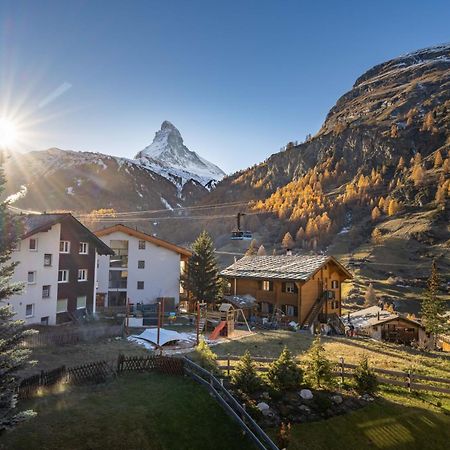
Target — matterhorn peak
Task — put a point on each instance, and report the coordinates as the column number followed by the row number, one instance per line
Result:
column 168, row 155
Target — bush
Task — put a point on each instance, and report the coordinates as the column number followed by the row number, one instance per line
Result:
column 244, row 376
column 284, row 373
column 205, row 357
column 319, row 370
column 365, row 378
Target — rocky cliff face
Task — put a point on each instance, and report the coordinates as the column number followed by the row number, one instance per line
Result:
column 380, row 119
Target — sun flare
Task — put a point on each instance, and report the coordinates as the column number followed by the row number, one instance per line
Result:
column 8, row 133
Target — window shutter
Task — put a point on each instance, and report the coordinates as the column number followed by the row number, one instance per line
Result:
column 270, row 285
column 260, row 284
column 283, row 287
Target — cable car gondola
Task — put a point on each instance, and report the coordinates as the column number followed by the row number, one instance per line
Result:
column 238, row 234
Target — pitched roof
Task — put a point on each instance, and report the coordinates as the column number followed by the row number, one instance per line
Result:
column 371, row 316
column 37, row 223
column 286, row 267
column 145, row 237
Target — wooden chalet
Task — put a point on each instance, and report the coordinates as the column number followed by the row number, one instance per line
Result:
column 301, row 288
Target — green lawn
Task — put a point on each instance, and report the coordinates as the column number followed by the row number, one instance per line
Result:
column 392, row 422
column 136, row 411
column 380, row 354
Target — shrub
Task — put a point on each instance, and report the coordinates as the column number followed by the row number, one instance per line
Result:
column 366, row 380
column 205, row 357
column 244, row 376
column 284, row 373
column 319, row 370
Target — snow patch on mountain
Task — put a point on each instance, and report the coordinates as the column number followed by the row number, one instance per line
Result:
column 168, row 156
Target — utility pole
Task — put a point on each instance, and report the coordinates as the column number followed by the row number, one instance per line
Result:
column 198, row 323
column 159, row 323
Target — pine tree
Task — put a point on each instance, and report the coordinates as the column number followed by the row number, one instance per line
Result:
column 428, row 122
column 319, row 370
column 370, row 299
column 12, row 332
column 244, row 376
column 205, row 357
column 288, row 241
column 202, row 276
column 284, row 373
column 432, row 306
column 365, row 377
column 261, row 251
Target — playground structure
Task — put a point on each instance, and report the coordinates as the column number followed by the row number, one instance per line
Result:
column 221, row 322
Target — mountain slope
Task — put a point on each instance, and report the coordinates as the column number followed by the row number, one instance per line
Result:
column 165, row 175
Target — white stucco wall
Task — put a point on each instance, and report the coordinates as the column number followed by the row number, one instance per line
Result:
column 161, row 274
column 48, row 242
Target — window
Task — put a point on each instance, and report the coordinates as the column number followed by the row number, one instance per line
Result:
column 64, row 247
column 334, row 284
column 46, row 291
column 84, row 248
column 82, row 274
column 141, row 264
column 290, row 288
column 47, row 260
column 33, row 245
column 44, row 320
column 31, row 277
column 29, row 310
column 63, row 276
column 140, row 285
column 266, row 285
column 81, row 302
column 61, row 305
column 141, row 245
column 290, row 310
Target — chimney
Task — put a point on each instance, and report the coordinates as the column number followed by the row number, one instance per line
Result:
column 378, row 316
column 288, row 252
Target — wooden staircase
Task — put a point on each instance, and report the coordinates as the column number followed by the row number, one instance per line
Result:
column 314, row 312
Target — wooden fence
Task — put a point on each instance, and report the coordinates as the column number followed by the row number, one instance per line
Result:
column 98, row 372
column 72, row 336
column 231, row 406
column 407, row 379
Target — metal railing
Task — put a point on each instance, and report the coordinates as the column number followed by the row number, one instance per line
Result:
column 231, row 406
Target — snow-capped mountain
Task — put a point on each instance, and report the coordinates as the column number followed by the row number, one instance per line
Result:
column 168, row 156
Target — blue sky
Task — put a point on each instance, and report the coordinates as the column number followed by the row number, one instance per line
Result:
column 238, row 78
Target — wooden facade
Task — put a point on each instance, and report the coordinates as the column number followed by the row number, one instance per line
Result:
column 295, row 298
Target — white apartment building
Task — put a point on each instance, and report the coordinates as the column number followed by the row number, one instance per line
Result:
column 143, row 268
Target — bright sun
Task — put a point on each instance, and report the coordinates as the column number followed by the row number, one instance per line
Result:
column 8, row 133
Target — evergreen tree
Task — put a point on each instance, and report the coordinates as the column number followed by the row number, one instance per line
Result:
column 319, row 370
column 244, row 376
column 205, row 357
column 202, row 275
column 12, row 332
column 433, row 307
column 370, row 299
column 284, row 373
column 365, row 377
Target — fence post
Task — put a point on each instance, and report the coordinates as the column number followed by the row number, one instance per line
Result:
column 408, row 380
column 228, row 365
column 341, row 359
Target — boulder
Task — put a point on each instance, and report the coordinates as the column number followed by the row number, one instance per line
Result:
column 306, row 394
column 337, row 399
column 305, row 409
column 264, row 408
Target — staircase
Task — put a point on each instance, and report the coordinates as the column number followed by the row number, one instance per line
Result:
column 336, row 323
column 201, row 324
column 314, row 312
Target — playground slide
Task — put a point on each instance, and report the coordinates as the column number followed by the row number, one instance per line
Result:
column 215, row 334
